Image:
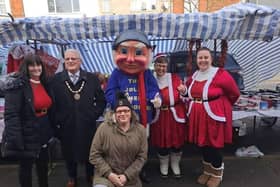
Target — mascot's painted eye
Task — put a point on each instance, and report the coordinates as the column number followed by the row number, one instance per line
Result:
column 138, row 52
column 123, row 50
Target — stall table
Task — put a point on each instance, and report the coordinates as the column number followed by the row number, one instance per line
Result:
column 255, row 113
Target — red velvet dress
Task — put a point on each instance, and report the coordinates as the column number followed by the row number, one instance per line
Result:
column 210, row 122
column 169, row 130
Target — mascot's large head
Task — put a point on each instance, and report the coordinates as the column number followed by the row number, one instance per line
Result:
column 132, row 51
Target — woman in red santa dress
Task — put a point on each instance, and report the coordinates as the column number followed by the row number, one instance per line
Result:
column 169, row 130
column 212, row 92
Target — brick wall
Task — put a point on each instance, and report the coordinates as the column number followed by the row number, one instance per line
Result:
column 213, row 5
column 17, row 9
column 178, row 6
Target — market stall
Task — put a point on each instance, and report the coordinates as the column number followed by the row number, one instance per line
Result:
column 252, row 33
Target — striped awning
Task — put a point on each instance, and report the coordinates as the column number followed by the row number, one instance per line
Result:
column 247, row 26
column 258, row 59
column 97, row 56
column 243, row 21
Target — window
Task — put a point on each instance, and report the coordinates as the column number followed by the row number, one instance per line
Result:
column 134, row 6
column 106, row 6
column 63, row 6
column 3, row 9
column 143, row 5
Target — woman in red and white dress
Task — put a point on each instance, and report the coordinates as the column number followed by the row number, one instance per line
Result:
column 212, row 92
column 169, row 129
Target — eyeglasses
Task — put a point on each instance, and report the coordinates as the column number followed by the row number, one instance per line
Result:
column 71, row 58
column 121, row 111
column 161, row 65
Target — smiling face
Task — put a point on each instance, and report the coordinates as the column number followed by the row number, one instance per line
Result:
column 123, row 115
column 204, row 60
column 72, row 61
column 160, row 66
column 35, row 71
column 132, row 57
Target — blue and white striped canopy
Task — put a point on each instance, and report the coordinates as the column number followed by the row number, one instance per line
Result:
column 240, row 21
column 97, row 56
column 258, row 59
column 247, row 26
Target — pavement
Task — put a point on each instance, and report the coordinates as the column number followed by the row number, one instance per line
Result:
column 239, row 171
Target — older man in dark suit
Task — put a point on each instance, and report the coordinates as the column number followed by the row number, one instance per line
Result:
column 78, row 102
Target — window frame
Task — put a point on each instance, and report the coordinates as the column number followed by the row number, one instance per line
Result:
column 106, row 6
column 66, row 12
column 4, row 4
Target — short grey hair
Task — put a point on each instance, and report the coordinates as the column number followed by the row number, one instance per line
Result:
column 73, row 51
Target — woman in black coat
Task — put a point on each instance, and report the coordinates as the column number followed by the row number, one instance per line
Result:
column 27, row 127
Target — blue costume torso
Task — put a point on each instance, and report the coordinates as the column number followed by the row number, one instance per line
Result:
column 128, row 84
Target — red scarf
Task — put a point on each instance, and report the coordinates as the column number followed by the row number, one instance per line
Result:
column 142, row 99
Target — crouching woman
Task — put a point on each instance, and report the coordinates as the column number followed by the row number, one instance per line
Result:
column 119, row 148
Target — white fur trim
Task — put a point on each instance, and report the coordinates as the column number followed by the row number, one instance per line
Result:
column 189, row 93
column 206, row 163
column 179, row 120
column 171, row 100
column 158, row 56
column 205, row 75
column 211, row 114
column 190, row 106
column 170, row 89
column 218, row 169
column 205, row 97
column 210, row 75
column 162, row 81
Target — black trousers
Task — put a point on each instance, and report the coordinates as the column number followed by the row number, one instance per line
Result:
column 212, row 155
column 25, row 169
column 72, row 169
column 167, row 151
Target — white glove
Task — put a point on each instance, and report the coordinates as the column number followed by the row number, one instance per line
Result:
column 156, row 101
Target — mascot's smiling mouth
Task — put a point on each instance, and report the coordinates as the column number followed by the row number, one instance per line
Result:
column 131, row 68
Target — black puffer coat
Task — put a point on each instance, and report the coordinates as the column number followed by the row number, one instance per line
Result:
column 24, row 133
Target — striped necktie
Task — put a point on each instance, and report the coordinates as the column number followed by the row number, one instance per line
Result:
column 74, row 78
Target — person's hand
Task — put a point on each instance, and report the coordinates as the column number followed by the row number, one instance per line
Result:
column 182, row 89
column 156, row 101
column 123, row 179
column 115, row 179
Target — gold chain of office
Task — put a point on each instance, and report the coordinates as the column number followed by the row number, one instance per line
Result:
column 76, row 93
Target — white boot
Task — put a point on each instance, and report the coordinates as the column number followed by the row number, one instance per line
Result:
column 164, row 164
column 175, row 164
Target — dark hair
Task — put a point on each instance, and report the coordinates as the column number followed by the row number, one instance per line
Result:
column 203, row 49
column 30, row 60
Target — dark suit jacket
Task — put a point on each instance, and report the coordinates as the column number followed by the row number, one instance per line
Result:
column 75, row 120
